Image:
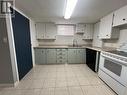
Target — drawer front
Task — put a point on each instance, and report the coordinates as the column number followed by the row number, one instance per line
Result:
column 59, row 53
column 61, row 50
column 62, row 56
column 61, row 61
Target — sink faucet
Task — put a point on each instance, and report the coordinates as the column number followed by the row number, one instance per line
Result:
column 75, row 43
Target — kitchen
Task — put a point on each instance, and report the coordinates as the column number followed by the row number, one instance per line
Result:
column 63, row 47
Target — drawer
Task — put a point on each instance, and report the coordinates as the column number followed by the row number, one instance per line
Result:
column 59, row 53
column 58, row 50
column 61, row 57
column 61, row 61
column 61, row 50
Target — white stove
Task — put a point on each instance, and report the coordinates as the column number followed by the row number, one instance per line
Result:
column 113, row 70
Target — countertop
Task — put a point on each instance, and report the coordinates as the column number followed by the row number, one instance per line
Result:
column 80, row 47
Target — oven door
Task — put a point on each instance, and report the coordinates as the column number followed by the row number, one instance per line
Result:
column 114, row 69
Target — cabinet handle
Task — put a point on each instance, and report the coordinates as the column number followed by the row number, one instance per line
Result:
column 124, row 19
column 106, row 35
column 42, row 51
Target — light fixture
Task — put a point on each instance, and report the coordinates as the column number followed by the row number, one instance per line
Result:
column 70, row 6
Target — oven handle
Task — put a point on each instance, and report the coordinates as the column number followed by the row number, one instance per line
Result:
column 114, row 60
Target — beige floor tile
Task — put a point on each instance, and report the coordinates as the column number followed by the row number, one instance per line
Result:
column 75, row 91
column 83, row 81
column 103, row 89
column 61, row 83
column 61, row 91
column 70, row 74
column 37, row 84
column 47, row 91
column 89, row 90
column 61, row 79
column 72, row 81
column 66, row 79
column 49, row 84
column 95, row 81
column 24, row 85
column 33, row 92
column 13, row 92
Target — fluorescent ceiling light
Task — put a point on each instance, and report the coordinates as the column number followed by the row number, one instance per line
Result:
column 70, row 6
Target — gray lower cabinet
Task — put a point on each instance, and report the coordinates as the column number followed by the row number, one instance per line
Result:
column 61, row 56
column 72, row 55
column 51, row 56
column 80, row 56
column 76, row 55
column 40, row 56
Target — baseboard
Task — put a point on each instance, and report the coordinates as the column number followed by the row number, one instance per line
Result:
column 16, row 83
column 10, row 85
column 6, row 85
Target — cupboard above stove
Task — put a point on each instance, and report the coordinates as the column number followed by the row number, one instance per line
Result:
column 106, row 30
column 120, row 16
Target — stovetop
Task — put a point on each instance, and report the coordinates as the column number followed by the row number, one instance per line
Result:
column 121, row 53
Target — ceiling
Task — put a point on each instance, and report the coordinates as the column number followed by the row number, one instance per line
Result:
column 86, row 11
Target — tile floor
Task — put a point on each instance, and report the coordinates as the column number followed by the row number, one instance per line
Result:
column 76, row 79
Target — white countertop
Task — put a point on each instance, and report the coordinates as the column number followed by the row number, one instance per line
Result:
column 81, row 47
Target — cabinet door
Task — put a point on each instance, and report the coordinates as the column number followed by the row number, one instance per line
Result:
column 51, row 31
column 120, row 16
column 71, row 55
column 80, row 28
column 51, row 56
column 80, row 56
column 88, row 34
column 106, row 27
column 40, row 30
column 40, row 56
column 96, row 41
column 89, row 31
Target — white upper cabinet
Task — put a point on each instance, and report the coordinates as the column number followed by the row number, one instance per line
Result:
column 88, row 33
column 120, row 16
column 40, row 30
column 106, row 30
column 46, row 30
column 51, row 31
column 80, row 28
